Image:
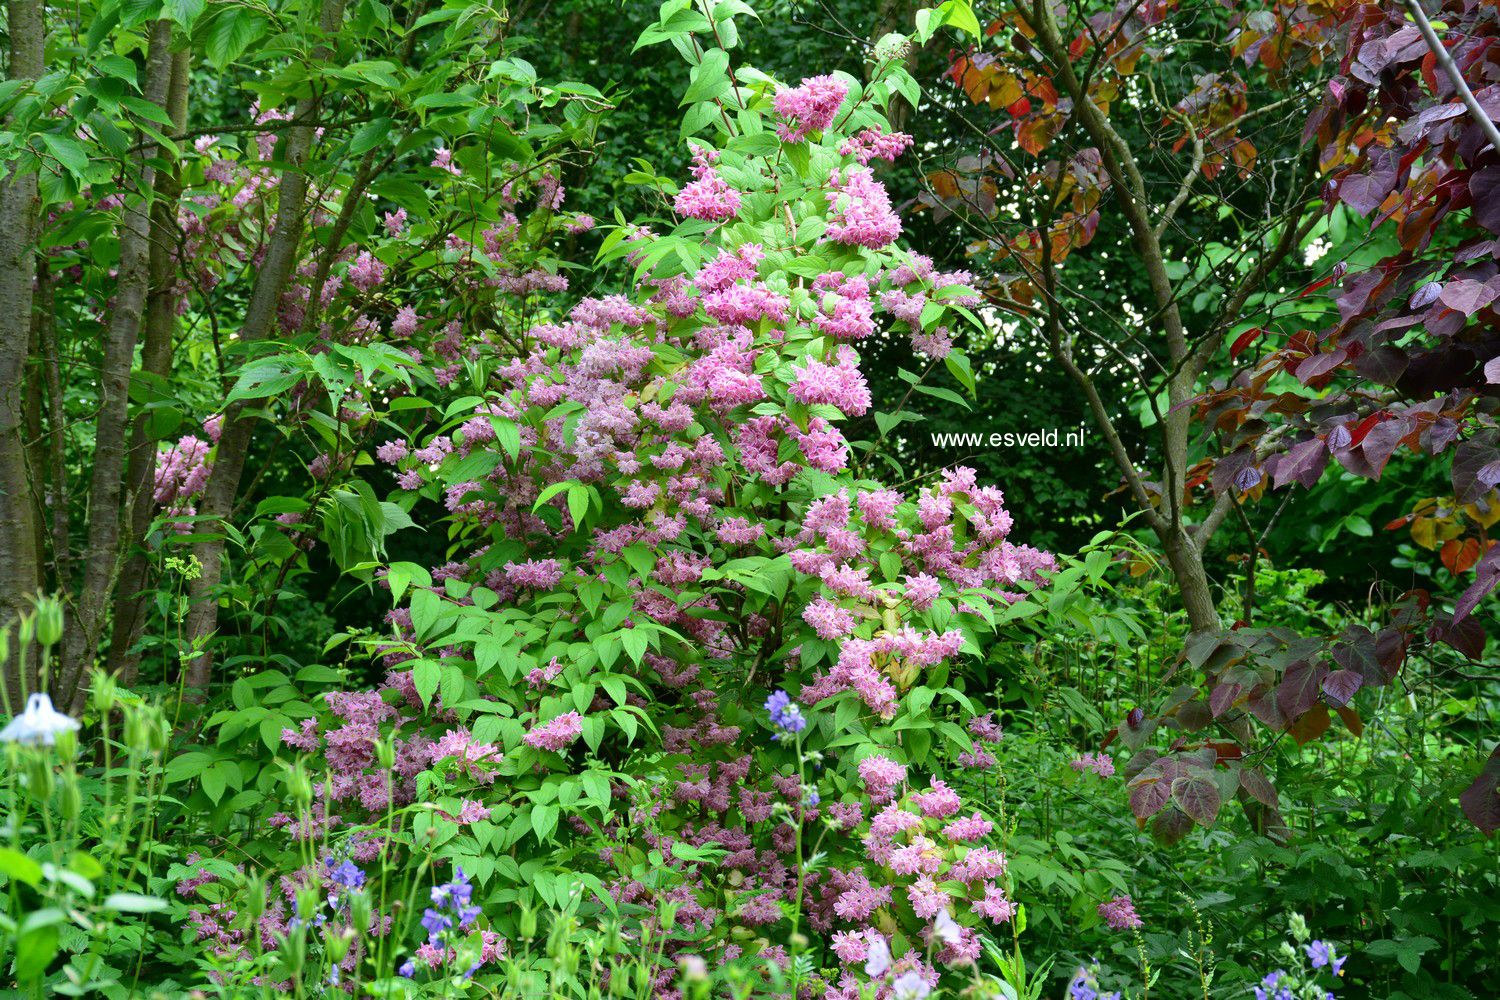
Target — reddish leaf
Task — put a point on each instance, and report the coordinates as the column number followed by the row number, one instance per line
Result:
column 1468, row 296
column 1484, row 185
column 1222, row 698
column 1171, row 825
column 1364, row 193
column 1341, row 685
column 1481, row 800
column 1147, row 798
column 1194, row 715
column 1255, row 784
column 1351, row 719
column 1466, row 635
column 1263, row 707
column 1311, row 725
column 1244, row 340
column 1486, row 574
column 1460, row 556
column 1197, row 796
column 1299, row 688
column 1224, row 750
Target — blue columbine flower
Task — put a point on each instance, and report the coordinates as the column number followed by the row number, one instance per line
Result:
column 408, row 969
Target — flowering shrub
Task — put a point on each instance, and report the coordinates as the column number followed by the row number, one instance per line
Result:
column 654, row 515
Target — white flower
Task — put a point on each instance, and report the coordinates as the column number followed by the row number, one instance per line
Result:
column 879, row 957
column 40, row 723
column 947, row 929
column 911, row 987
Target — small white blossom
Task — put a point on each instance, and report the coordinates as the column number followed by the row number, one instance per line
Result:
column 40, row 723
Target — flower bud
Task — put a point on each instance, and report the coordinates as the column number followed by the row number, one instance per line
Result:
column 360, row 910
column 104, row 691
column 255, row 897
column 69, row 800
column 337, row 942
column 49, row 621
column 528, row 922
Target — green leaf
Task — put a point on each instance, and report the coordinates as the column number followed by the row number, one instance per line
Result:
column 70, row 153
column 230, row 34
column 35, row 951
column 578, row 505
column 184, row 12
column 370, row 135
column 266, row 377
column 133, row 902
column 710, row 78
column 426, row 676
column 18, row 866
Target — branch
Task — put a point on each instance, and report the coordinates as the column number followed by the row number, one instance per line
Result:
column 1440, row 53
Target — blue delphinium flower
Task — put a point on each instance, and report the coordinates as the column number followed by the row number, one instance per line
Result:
column 435, row 922
column 785, row 714
column 346, row 875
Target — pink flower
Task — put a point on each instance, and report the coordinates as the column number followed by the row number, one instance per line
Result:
column 995, row 905
column 710, row 199
column 860, row 210
column 557, row 734
column 1100, row 763
column 880, row 775
column 1119, row 913
column 940, row 801
column 976, row 827
column 809, row 108
column 366, row 272
column 443, row 160
column 872, row 142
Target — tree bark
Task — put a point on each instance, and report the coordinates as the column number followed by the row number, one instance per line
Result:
column 222, row 489
column 131, row 596
column 20, row 574
column 101, row 557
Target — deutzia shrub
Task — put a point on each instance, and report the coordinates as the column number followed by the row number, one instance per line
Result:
column 686, row 655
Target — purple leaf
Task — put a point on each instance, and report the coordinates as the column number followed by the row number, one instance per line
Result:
column 1487, row 574
column 1492, row 370
column 1339, row 438
column 1197, row 796
column 1256, row 785
column 1247, row 479
column 1467, row 295
column 1427, row 295
column 1481, row 800
column 1341, row 685
column 1363, row 193
column 1484, row 185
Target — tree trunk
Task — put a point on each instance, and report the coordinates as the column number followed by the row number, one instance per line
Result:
column 101, row 557
column 1186, row 560
column 20, row 574
column 220, row 493
column 131, row 595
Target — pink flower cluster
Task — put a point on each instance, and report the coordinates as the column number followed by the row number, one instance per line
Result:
column 709, row 196
column 809, row 108
column 556, row 735
column 1100, row 763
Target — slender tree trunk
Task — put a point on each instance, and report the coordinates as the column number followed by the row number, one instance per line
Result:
column 101, row 557
column 20, row 575
column 222, row 489
column 131, row 596
column 50, row 359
